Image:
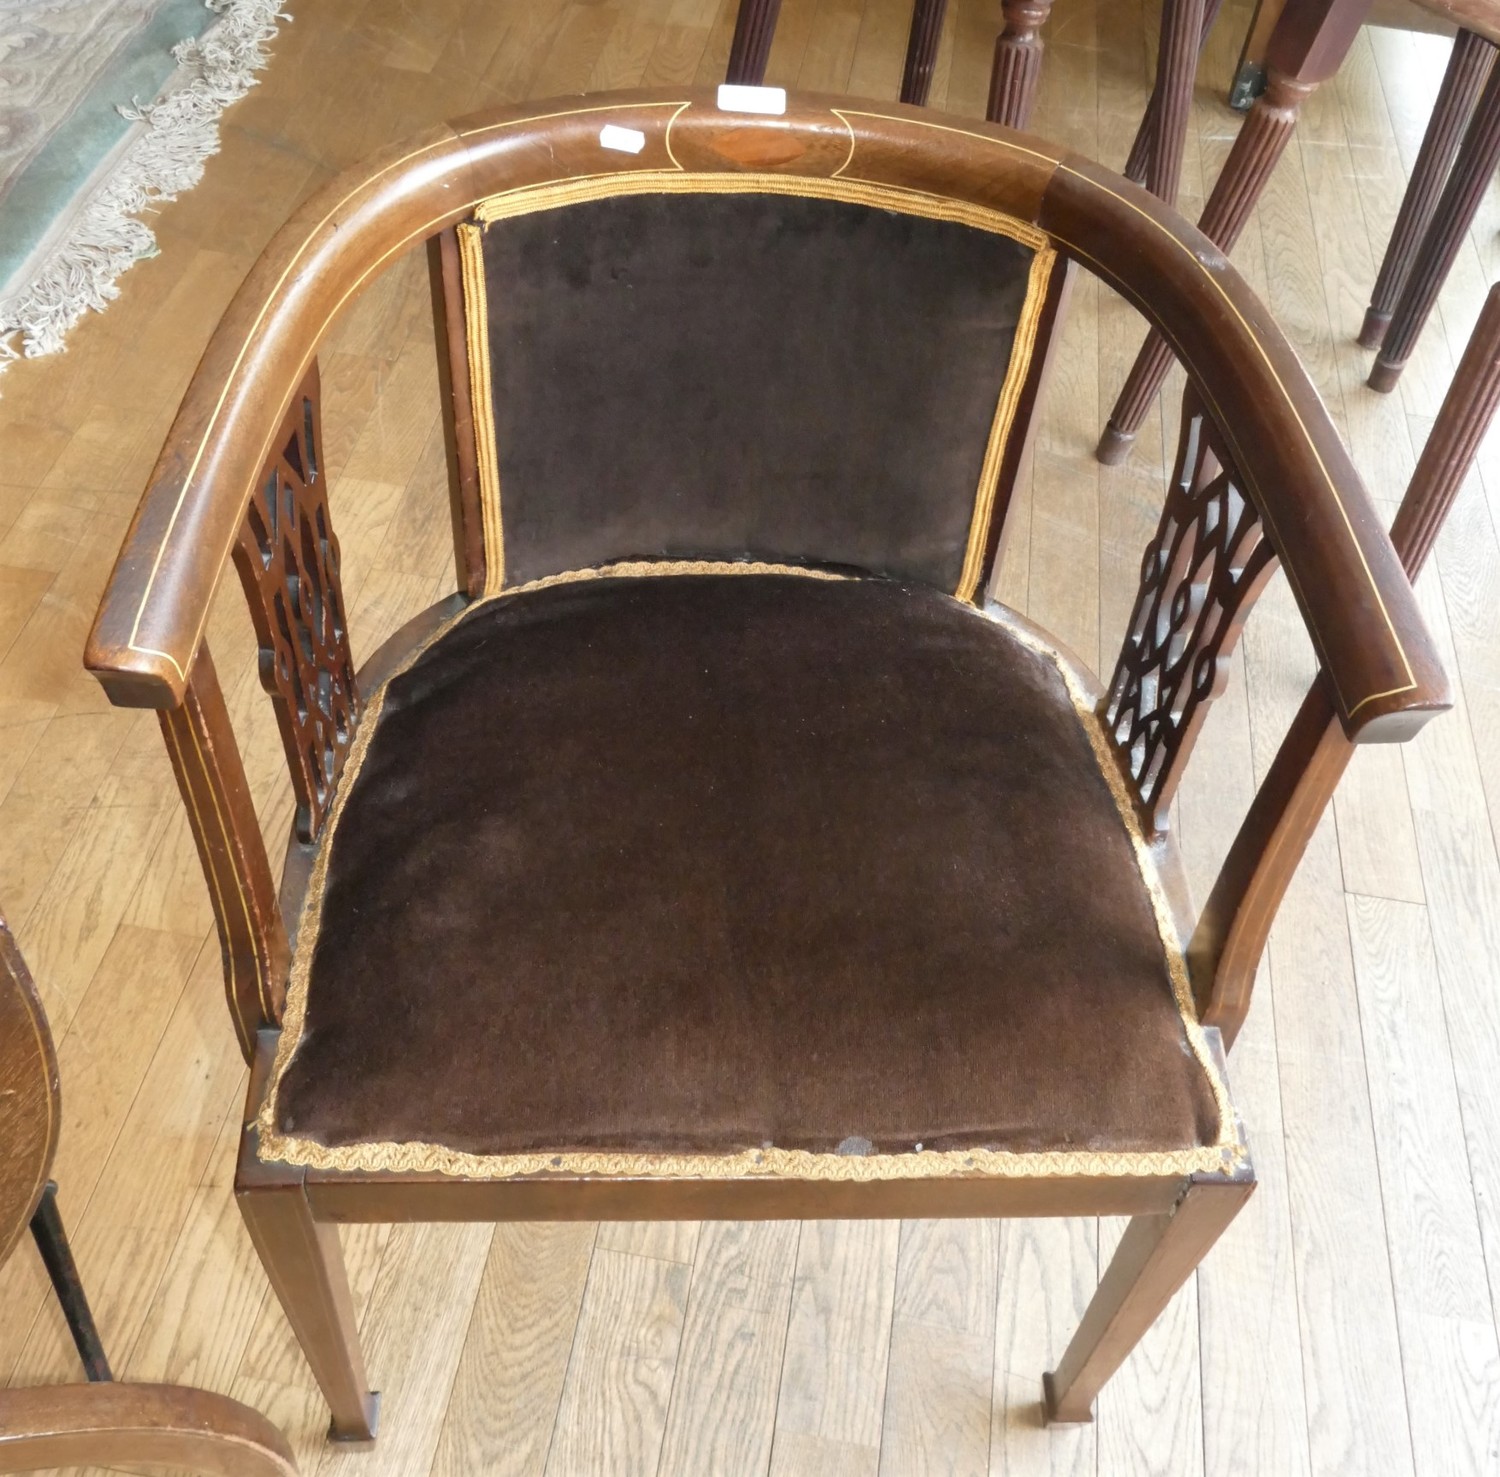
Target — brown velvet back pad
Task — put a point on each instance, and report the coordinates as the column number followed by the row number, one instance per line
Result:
column 730, row 375
column 706, row 863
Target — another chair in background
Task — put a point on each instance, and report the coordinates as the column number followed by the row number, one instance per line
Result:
column 1459, row 154
column 1307, row 46
column 1018, row 52
column 1156, row 155
column 700, row 856
column 101, row 1422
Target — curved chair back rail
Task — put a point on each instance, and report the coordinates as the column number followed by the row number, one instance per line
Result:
column 29, row 1116
column 156, row 1425
column 1261, row 475
column 1360, row 611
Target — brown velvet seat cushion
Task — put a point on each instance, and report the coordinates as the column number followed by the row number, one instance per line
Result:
column 704, row 863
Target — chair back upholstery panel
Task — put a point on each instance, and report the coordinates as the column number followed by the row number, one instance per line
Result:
column 763, row 375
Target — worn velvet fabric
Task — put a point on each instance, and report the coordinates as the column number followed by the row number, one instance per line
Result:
column 705, row 863
column 721, row 375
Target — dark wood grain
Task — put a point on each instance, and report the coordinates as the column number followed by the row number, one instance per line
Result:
column 1257, row 148
column 155, row 606
column 1235, row 923
column 305, row 1264
column 1310, row 41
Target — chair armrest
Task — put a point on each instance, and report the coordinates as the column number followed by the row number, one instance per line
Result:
column 155, row 606
column 1359, row 607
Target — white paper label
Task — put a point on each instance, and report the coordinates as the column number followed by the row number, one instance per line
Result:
column 735, row 98
column 626, row 140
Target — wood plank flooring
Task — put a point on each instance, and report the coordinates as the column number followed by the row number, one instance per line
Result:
column 1345, row 1325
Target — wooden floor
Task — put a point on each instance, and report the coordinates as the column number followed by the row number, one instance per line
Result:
column 1346, row 1325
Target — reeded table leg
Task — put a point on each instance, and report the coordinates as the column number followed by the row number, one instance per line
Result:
column 1256, row 150
column 921, row 50
column 1468, row 67
column 1176, row 66
column 1310, row 41
column 1145, row 143
column 1018, row 61
column 754, row 30
column 1472, row 171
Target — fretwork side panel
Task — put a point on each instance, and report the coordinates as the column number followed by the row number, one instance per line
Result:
column 288, row 559
column 1199, row 578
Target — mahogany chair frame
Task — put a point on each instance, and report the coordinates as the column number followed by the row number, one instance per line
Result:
column 1256, row 439
column 63, row 1425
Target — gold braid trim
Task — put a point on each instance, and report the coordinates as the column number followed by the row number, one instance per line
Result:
column 481, row 404
column 1228, row 1140
column 1023, row 345
column 1221, row 1157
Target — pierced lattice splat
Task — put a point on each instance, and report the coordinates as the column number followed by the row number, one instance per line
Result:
column 288, row 559
column 1200, row 576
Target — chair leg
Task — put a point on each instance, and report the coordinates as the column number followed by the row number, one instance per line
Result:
column 57, row 1256
column 1260, row 144
column 1156, row 1255
column 1182, row 34
column 1468, row 67
column 754, row 30
column 921, row 50
column 1018, row 61
column 1478, row 156
column 305, row 1264
column 1145, row 136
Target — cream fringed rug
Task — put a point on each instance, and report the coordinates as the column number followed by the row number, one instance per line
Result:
column 106, row 108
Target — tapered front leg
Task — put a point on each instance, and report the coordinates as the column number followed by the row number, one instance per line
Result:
column 305, row 1265
column 1156, row 1255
